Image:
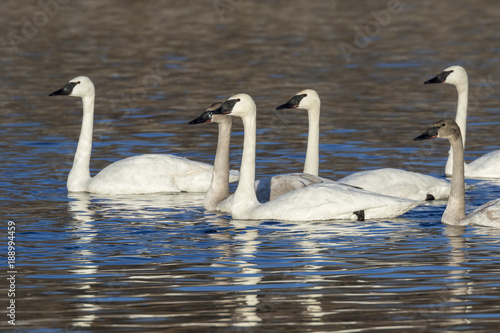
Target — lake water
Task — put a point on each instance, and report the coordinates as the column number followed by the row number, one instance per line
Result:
column 159, row 263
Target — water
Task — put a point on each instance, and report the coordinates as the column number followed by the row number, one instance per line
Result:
column 160, row 263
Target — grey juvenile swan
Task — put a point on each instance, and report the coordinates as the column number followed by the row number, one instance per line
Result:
column 268, row 188
column 487, row 214
column 315, row 202
column 217, row 194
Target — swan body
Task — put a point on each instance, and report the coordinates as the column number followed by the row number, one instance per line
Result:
column 316, row 202
column 285, row 183
column 388, row 181
column 487, row 214
column 325, row 202
column 133, row 175
column 400, row 183
column 487, row 166
column 152, row 173
column 269, row 188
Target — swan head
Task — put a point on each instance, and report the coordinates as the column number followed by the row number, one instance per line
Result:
column 239, row 105
column 455, row 75
column 305, row 99
column 208, row 116
column 80, row 86
column 445, row 128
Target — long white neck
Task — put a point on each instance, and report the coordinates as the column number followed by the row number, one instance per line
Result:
column 460, row 119
column 455, row 210
column 79, row 176
column 219, row 185
column 312, row 156
column 245, row 197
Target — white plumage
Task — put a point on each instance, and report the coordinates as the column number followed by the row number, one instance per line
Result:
column 133, row 175
column 487, row 166
column 324, row 201
column 388, row 181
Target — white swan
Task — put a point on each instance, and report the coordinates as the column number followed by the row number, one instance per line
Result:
column 268, row 188
column 308, row 99
column 487, row 214
column 388, row 181
column 486, row 166
column 133, row 175
column 315, row 202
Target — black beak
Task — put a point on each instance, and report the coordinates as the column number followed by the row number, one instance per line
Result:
column 205, row 117
column 439, row 78
column 292, row 102
column 226, row 107
column 431, row 133
column 67, row 89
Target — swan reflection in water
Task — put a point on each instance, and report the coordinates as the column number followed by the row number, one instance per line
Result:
column 84, row 234
column 146, row 206
column 86, row 209
column 258, row 292
column 263, row 292
column 455, row 297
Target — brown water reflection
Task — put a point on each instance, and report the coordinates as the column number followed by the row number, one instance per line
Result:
column 183, row 56
column 155, row 263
